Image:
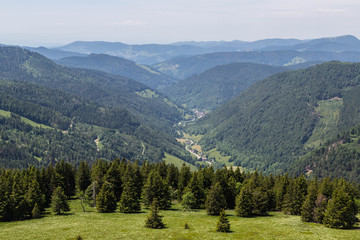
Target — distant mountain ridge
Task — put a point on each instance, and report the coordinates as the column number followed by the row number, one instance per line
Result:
column 184, row 67
column 154, row 53
column 120, row 66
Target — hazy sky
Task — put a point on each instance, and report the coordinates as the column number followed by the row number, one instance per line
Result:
column 46, row 22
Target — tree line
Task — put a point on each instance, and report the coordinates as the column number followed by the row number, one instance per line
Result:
column 128, row 187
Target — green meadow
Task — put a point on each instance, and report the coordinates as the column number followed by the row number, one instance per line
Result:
column 93, row 225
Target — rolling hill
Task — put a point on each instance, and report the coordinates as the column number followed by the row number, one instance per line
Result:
column 277, row 120
column 207, row 90
column 334, row 44
column 184, row 67
column 40, row 125
column 50, row 112
column 120, row 66
column 144, row 54
column 147, row 105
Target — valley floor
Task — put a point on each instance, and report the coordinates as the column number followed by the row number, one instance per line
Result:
column 92, row 225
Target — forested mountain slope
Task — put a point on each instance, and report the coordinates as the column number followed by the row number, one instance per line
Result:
column 276, row 120
column 183, row 67
column 218, row 85
column 145, row 104
column 339, row 157
column 41, row 125
column 120, row 66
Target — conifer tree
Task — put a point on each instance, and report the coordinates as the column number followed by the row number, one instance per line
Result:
column 154, row 220
column 59, row 202
column 184, row 178
column 130, row 199
column 308, row 208
column 83, row 177
column 260, row 201
column 215, row 200
column 36, row 213
column 156, row 187
column 106, row 201
column 295, row 196
column 223, row 224
column 65, row 177
column 196, row 189
column 341, row 210
column 244, row 205
column 114, row 176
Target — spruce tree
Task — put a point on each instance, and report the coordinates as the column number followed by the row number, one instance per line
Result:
column 308, row 208
column 341, row 210
column 59, row 201
column 223, row 224
column 36, row 213
column 114, row 176
column 196, row 189
column 106, row 200
column 156, row 187
column 215, row 200
column 154, row 220
column 130, row 199
column 295, row 196
column 184, row 178
column 244, row 205
column 83, row 178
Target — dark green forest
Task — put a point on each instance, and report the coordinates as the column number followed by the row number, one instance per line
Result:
column 120, row 66
column 129, row 187
column 268, row 126
column 218, row 85
column 19, row 65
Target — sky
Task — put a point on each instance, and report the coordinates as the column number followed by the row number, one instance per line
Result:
column 54, row 23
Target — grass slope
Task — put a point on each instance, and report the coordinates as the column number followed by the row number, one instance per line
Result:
column 92, row 225
column 171, row 159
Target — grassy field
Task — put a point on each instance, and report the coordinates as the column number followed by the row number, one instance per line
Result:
column 92, row 225
column 25, row 120
column 218, row 157
column 195, row 138
column 329, row 111
column 177, row 161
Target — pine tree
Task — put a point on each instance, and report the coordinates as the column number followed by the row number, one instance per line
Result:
column 215, row 200
column 295, row 196
column 196, row 189
column 223, row 224
column 36, row 213
column 130, row 200
column 65, row 177
column 59, row 201
column 341, row 210
column 156, row 187
column 244, row 205
column 83, row 177
column 260, row 201
column 154, row 220
column 184, row 178
column 106, row 200
column 114, row 176
column 308, row 208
